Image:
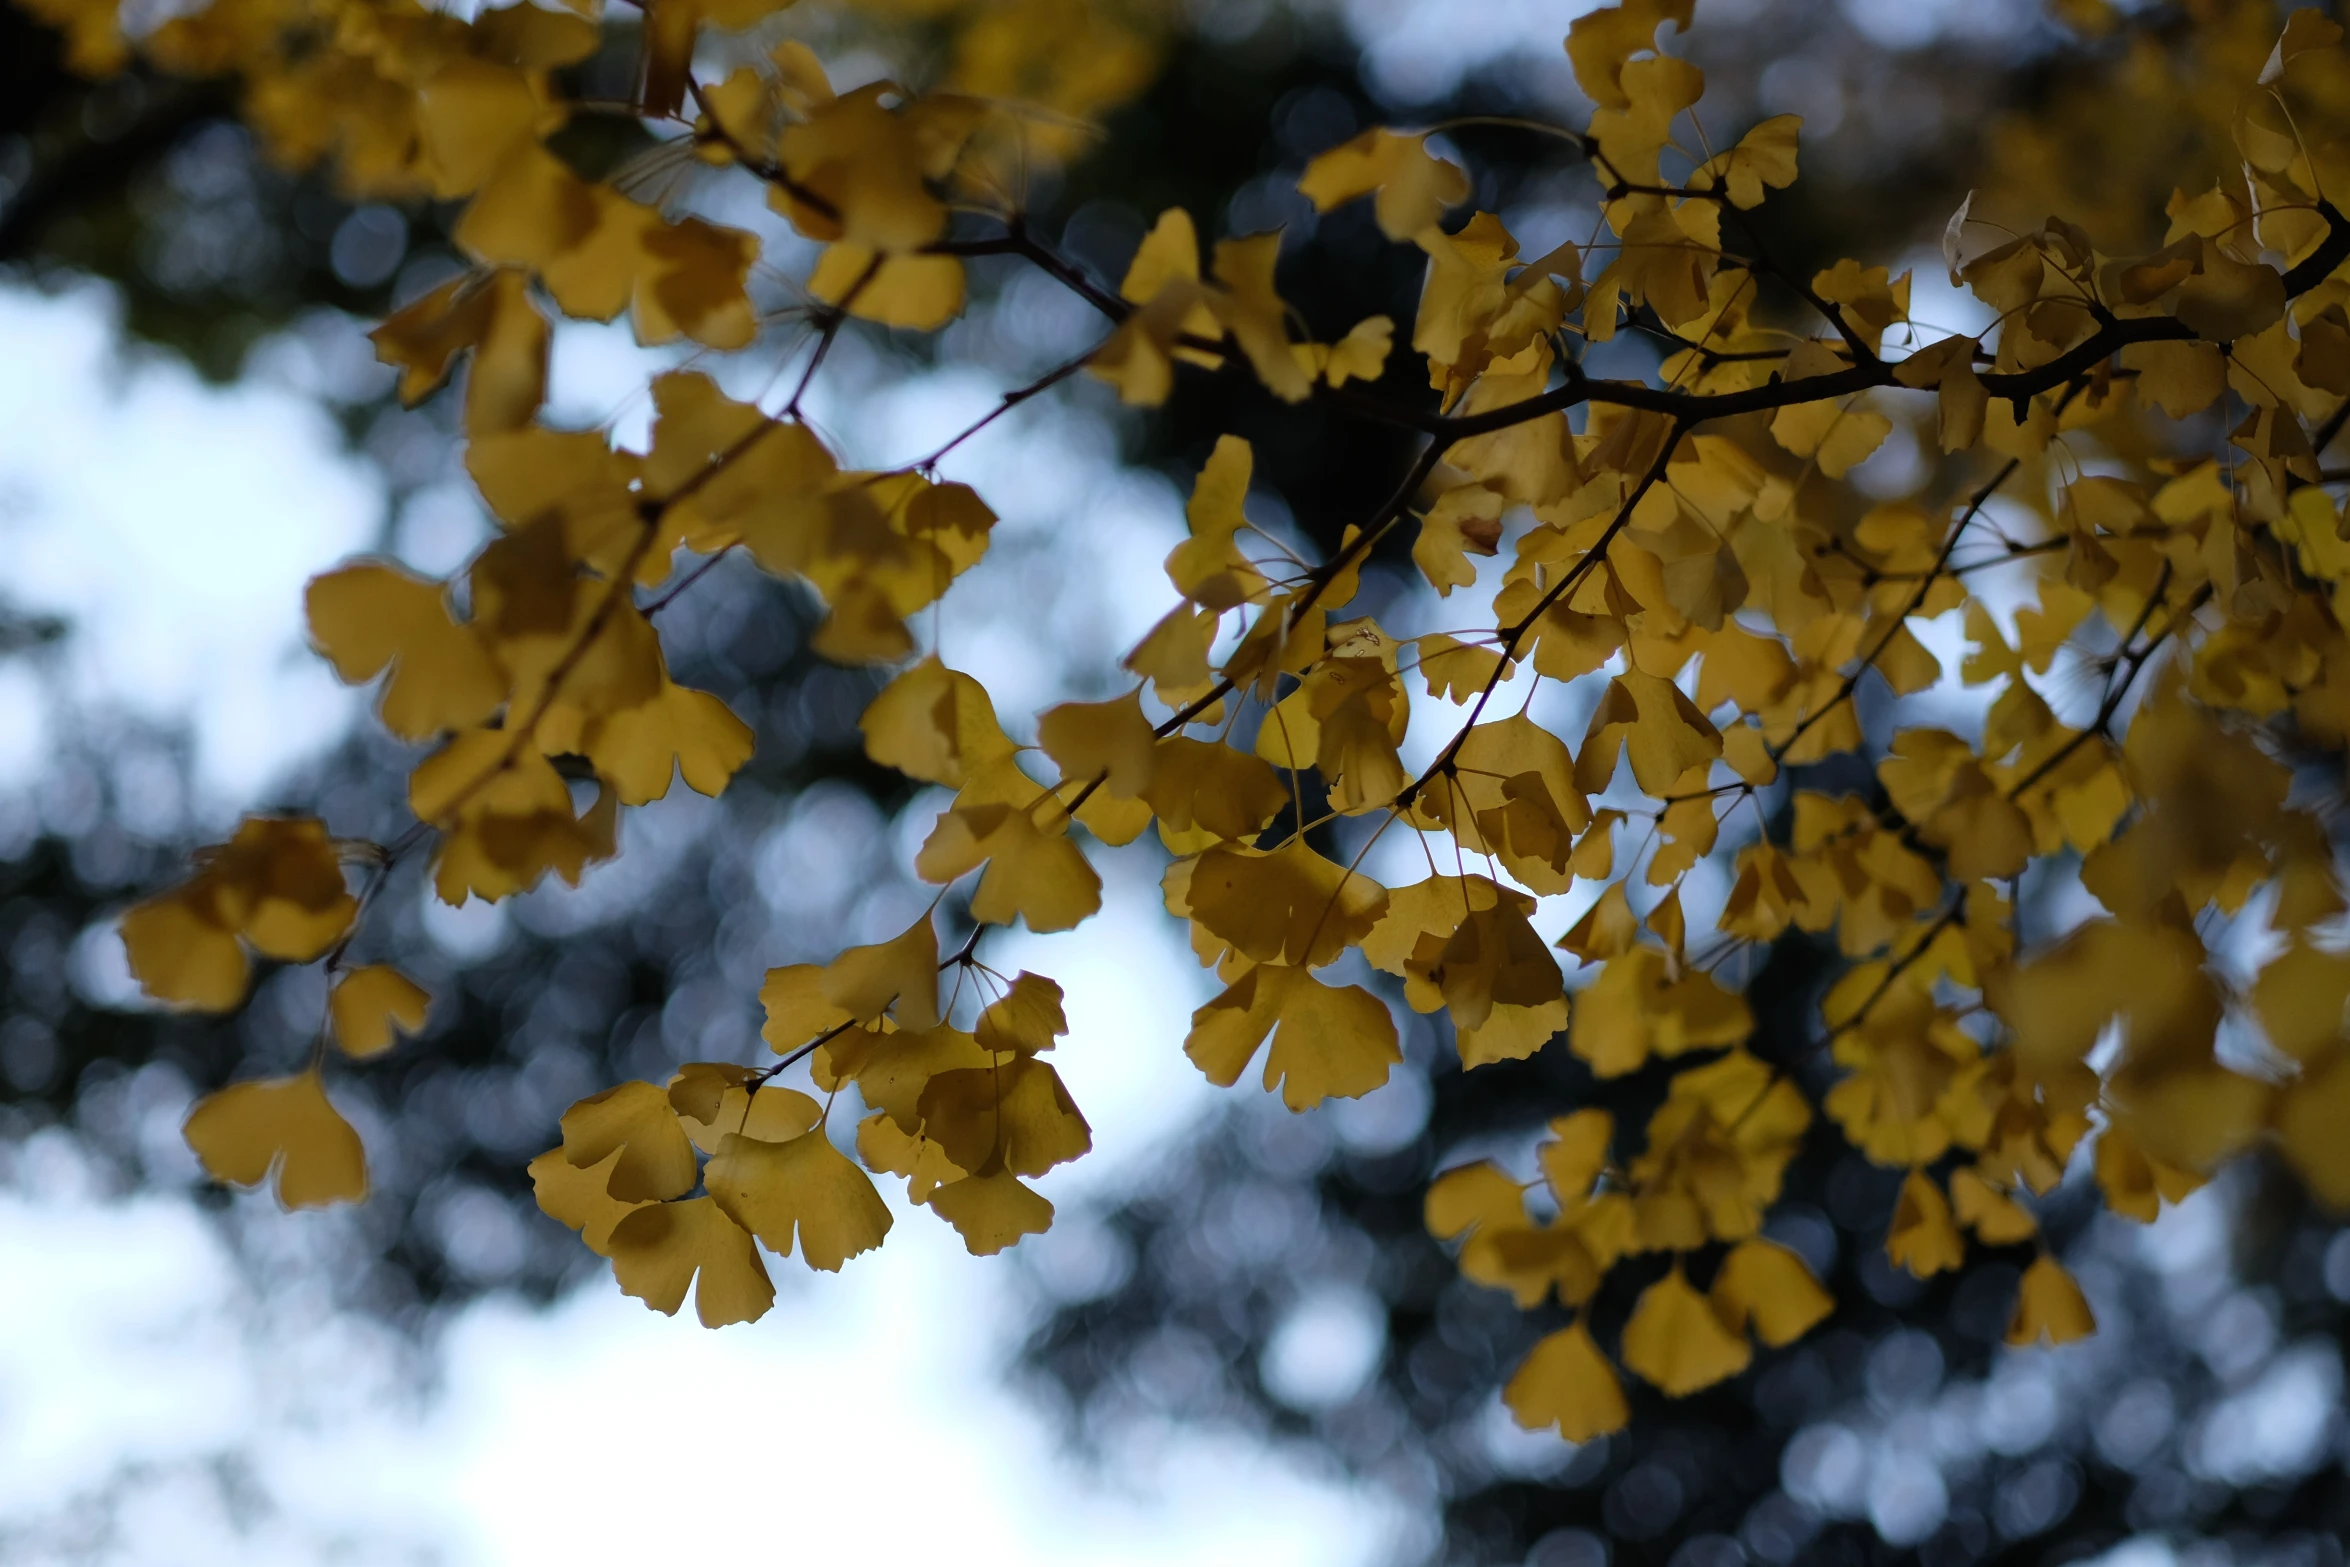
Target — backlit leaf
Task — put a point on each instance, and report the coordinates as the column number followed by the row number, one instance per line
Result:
column 1676, row 1340
column 1413, row 186
column 1764, row 1287
column 1328, row 1042
column 656, row 1160
column 282, row 1127
column 2049, row 1307
column 1566, row 1382
column 804, row 1188
column 659, row 1250
column 372, row 1002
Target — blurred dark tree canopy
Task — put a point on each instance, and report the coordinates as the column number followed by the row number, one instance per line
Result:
column 1274, row 1275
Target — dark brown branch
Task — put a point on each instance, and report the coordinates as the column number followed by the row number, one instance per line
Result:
column 1009, row 401
column 1017, row 240
column 2319, row 264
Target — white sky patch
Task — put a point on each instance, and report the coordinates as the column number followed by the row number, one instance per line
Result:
column 173, row 524
column 855, row 1418
column 24, row 726
column 1416, row 53
column 138, row 1356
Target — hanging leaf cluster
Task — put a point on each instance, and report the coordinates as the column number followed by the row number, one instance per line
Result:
column 1682, row 555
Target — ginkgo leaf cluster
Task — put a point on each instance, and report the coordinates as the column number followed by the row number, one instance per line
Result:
column 1682, row 561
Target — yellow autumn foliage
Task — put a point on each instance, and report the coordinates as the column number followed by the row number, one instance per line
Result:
column 1683, row 554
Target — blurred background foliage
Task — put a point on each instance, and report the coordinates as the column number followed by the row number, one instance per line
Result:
column 1272, row 1274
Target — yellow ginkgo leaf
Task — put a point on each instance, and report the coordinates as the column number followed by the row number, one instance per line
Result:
column 1110, row 741
column 1287, row 906
column 1636, row 1009
column 1993, row 1215
column 714, row 1099
column 1510, row 1032
column 1173, row 657
column 1164, row 279
column 491, row 314
column 886, row 1146
column 279, row 883
column 680, row 730
column 1016, row 1113
column 1431, row 908
column 1566, row 1382
column 2181, row 379
column 1607, row 929
column 1465, row 521
column 1948, row 368
column 2049, row 1307
column 1493, row 961
column 1169, row 253
column 2301, row 998
column 1140, row 357
column 991, row 1211
column 1764, row 1287
column 1359, row 356
column 1576, row 1154
column 934, row 723
column 1207, row 787
column 2310, row 1118
column 1836, row 437
column 1208, row 568
column 369, row 1003
column 1258, row 317
column 801, row 1186
column 1678, row 1341
column 868, row 167
column 2135, row 1184
column 1413, row 185
column 283, row 1126
column 898, row 976
column 690, row 282
column 1032, row 873
column 1923, row 1238
column 2306, row 29
column 1455, row 670
column 892, row 1069
column 1462, row 1200
column 797, row 1010
column 1513, row 794
column 1466, row 286
column 1655, row 721
column 1025, row 1019
column 581, row 1198
column 657, row 1251
column 182, row 956
column 1764, row 156
column 1464, row 944
column 656, row 1159
column 371, row 616
column 921, row 293
column 1113, row 819
column 1328, row 1041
